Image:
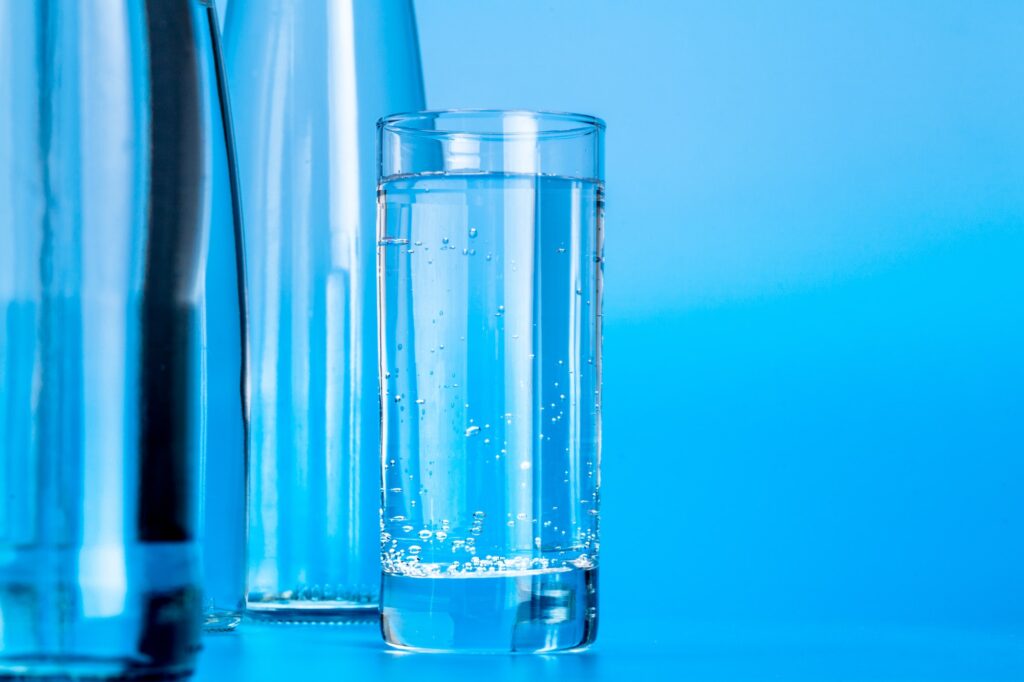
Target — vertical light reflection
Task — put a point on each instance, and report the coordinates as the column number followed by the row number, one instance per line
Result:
column 522, row 281
column 344, row 322
column 575, row 353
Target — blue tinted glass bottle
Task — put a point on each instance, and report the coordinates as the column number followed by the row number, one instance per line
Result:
column 118, row 288
column 308, row 80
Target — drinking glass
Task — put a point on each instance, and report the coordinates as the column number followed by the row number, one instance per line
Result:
column 489, row 272
column 308, row 80
column 120, row 338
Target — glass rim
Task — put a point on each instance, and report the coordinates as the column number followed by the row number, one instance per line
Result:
column 398, row 123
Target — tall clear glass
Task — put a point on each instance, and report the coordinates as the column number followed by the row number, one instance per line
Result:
column 308, row 80
column 489, row 288
column 118, row 292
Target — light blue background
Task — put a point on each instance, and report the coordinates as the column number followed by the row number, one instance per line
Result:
column 814, row 359
column 814, row 326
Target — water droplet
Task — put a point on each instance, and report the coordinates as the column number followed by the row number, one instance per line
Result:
column 445, row 240
column 488, row 256
column 399, row 346
column 472, row 233
column 579, row 291
column 472, row 431
column 501, row 311
column 398, row 397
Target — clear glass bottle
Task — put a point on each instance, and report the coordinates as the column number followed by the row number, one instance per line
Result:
column 225, row 393
column 308, row 79
column 118, row 283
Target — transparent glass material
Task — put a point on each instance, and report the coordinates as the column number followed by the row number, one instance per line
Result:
column 120, row 335
column 489, row 287
column 308, row 80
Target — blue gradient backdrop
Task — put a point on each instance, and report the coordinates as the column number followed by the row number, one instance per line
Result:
column 814, row 341
column 814, row 335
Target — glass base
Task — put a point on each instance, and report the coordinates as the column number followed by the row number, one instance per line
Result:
column 302, row 611
column 546, row 611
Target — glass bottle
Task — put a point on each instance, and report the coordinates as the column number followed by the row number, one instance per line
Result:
column 308, row 80
column 114, row 231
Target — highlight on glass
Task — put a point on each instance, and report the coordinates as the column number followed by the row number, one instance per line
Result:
column 489, row 266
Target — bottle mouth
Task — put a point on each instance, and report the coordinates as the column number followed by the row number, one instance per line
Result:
column 491, row 124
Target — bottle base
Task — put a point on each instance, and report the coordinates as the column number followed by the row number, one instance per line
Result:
column 545, row 611
column 221, row 620
column 83, row 668
column 309, row 612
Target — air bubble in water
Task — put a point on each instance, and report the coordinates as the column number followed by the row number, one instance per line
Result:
column 472, row 233
column 472, row 431
column 398, row 397
column 407, row 528
column 425, row 534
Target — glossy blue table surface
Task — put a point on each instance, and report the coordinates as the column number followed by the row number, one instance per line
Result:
column 628, row 650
